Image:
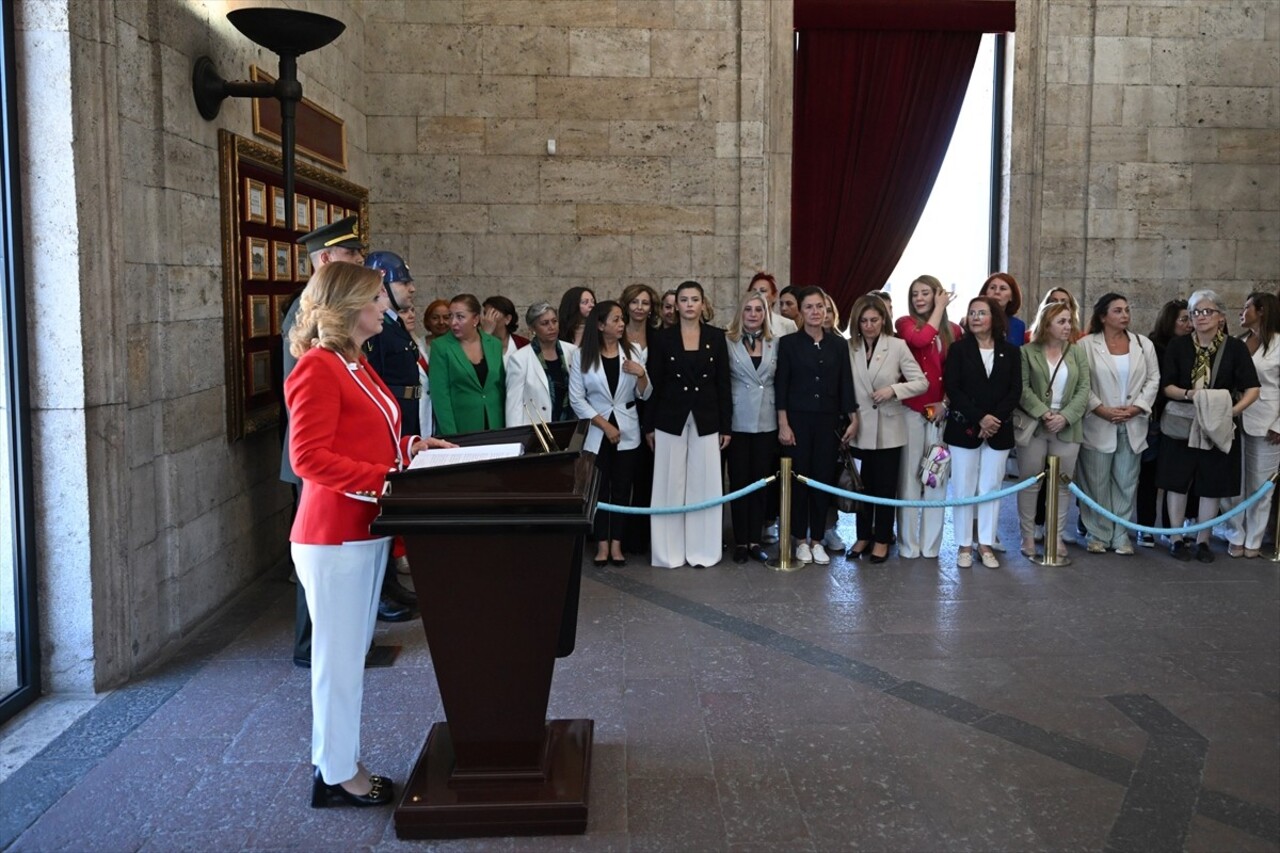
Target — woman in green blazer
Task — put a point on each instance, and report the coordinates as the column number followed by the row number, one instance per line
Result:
column 468, row 380
column 1055, row 394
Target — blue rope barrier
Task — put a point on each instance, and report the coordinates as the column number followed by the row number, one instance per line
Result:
column 674, row 510
column 872, row 499
column 1172, row 531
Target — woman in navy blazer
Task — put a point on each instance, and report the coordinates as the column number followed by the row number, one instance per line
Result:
column 468, row 379
column 606, row 377
column 983, row 378
column 687, row 424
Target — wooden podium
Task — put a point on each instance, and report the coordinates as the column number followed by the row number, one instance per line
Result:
column 496, row 553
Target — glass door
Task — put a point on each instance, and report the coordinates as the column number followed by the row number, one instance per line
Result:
column 19, row 651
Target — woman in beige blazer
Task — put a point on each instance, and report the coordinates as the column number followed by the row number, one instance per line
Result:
column 884, row 374
column 1124, row 379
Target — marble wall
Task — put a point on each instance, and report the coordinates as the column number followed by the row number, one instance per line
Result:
column 1146, row 149
column 657, row 110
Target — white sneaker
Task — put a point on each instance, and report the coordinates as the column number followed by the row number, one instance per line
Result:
column 803, row 554
column 820, row 554
column 833, row 541
column 770, row 534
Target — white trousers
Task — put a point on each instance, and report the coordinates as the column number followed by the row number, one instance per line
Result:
column 1258, row 462
column 342, row 583
column 976, row 471
column 919, row 530
column 686, row 470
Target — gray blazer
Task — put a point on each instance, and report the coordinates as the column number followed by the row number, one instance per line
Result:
column 754, row 409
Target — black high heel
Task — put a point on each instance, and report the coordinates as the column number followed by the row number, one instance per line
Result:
column 381, row 793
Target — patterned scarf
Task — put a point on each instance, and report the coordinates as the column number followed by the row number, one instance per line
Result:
column 750, row 339
column 1202, row 367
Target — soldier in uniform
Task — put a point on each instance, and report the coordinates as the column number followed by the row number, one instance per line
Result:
column 393, row 354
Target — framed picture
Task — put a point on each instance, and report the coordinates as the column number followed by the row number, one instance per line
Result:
column 322, row 214
column 256, row 263
column 303, row 263
column 259, row 372
column 279, row 304
column 255, row 201
column 302, row 212
column 281, row 261
column 277, row 206
column 259, row 316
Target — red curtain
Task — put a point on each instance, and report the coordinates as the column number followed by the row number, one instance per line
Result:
column 874, row 113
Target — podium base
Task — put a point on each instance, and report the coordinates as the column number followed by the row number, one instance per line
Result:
column 433, row 807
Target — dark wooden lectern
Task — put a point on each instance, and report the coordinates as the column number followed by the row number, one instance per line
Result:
column 496, row 553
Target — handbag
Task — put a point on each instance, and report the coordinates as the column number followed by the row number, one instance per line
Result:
column 1178, row 414
column 935, row 467
column 1024, row 427
column 849, row 479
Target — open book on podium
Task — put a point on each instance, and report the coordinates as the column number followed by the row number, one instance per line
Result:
column 495, row 548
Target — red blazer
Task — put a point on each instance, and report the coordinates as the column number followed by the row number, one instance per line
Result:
column 923, row 343
column 343, row 439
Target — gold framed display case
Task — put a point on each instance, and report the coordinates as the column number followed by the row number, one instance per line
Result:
column 252, row 347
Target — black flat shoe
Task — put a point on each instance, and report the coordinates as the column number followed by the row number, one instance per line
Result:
column 1203, row 553
column 390, row 611
column 323, row 794
column 855, row 554
column 1179, row 551
column 740, row 554
column 599, row 563
column 618, row 561
column 878, row 558
column 758, row 553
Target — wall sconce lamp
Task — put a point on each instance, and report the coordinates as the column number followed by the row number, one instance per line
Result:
column 288, row 33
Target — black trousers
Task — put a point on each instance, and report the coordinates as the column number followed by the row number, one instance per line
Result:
column 615, row 467
column 751, row 458
column 815, row 448
column 879, row 478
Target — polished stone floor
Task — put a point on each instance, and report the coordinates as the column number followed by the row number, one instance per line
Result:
column 1120, row 703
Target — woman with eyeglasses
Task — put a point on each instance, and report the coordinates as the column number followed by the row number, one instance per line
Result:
column 1124, row 377
column 1209, row 380
column 1173, row 321
column 1261, row 434
column 983, row 380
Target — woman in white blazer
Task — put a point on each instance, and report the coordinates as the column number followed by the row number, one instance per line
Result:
column 606, row 377
column 538, row 375
column 884, row 374
column 753, row 361
column 1124, row 379
column 1261, row 422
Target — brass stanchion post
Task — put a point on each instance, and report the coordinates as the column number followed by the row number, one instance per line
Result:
column 1051, row 533
column 785, row 562
column 1275, row 510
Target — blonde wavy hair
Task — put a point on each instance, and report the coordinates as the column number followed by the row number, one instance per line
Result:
column 734, row 332
column 330, row 305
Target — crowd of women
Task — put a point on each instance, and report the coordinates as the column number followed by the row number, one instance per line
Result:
column 1182, row 423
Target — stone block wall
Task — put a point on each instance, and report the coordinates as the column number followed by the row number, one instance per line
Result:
column 657, row 110
column 1146, row 149
column 148, row 520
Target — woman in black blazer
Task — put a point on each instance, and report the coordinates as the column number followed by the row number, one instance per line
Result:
column 687, row 424
column 983, row 380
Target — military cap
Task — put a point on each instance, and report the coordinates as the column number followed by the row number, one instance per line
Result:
column 343, row 234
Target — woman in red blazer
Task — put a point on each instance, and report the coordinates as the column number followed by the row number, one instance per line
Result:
column 344, row 439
